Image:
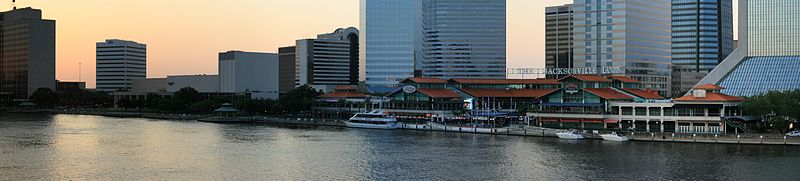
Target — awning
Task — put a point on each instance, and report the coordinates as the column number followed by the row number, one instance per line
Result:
column 571, row 104
column 549, row 120
column 570, row 121
column 592, row 121
column 612, row 121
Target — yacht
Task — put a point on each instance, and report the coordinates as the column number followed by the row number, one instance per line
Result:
column 614, row 136
column 372, row 120
column 571, row 134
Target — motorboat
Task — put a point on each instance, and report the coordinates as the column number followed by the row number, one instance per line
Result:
column 571, row 134
column 376, row 119
column 614, row 136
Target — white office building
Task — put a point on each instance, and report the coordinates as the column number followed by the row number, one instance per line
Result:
column 118, row 62
column 249, row 72
column 329, row 60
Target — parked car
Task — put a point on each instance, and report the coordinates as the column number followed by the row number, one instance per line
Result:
column 793, row 133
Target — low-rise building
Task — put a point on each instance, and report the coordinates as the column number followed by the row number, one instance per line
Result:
column 201, row 83
column 65, row 86
column 588, row 102
column 592, row 106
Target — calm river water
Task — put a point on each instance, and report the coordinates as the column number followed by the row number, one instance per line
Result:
column 71, row 147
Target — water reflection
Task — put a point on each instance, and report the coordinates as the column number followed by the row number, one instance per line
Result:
column 64, row 147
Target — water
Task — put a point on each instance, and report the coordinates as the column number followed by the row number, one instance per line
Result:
column 64, row 147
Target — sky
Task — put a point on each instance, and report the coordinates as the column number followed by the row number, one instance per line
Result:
column 184, row 37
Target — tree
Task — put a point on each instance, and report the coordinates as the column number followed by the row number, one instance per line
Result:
column 779, row 123
column 202, row 106
column 153, row 101
column 188, row 96
column 173, row 105
column 44, row 97
column 300, row 99
column 96, row 99
column 276, row 109
column 777, row 108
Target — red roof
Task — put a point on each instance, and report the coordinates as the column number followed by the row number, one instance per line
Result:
column 346, row 87
column 506, row 81
column 439, row 93
column 607, row 93
column 711, row 96
column 647, row 94
column 344, row 95
column 519, row 93
column 624, row 79
column 587, row 78
column 708, row 87
column 426, row 80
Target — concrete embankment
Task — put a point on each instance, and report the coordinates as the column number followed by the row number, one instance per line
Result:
column 119, row 114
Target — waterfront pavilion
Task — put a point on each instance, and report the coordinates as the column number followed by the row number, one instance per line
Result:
column 588, row 102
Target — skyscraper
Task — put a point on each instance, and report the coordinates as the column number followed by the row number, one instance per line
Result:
column 432, row 38
column 702, row 36
column 768, row 53
column 329, row 60
column 286, row 69
column 464, row 39
column 558, row 37
column 118, row 62
column 631, row 34
column 391, row 36
column 27, row 53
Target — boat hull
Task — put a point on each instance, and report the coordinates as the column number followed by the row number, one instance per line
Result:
column 371, row 126
column 571, row 136
column 611, row 137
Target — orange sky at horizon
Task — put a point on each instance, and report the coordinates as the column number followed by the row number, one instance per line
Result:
column 183, row 37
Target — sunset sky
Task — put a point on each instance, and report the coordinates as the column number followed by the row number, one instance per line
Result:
column 184, row 36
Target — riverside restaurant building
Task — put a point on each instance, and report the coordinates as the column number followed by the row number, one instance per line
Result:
column 588, row 102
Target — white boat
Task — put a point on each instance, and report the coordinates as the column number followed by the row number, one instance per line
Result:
column 372, row 120
column 614, row 136
column 571, row 134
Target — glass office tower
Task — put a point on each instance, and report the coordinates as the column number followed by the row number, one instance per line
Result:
column 558, row 37
column 702, row 36
column 768, row 57
column 773, row 28
column 391, row 39
column 632, row 34
column 432, row 38
column 27, row 54
column 464, row 39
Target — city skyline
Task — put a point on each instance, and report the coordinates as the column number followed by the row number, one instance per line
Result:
column 175, row 52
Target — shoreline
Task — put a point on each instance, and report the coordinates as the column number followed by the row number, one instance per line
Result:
column 748, row 139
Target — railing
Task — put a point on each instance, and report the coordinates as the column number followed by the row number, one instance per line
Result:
column 569, row 112
column 737, row 125
column 716, row 138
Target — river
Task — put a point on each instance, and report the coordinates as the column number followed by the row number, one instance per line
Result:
column 75, row 147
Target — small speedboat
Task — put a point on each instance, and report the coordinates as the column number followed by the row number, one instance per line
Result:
column 571, row 134
column 614, row 136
